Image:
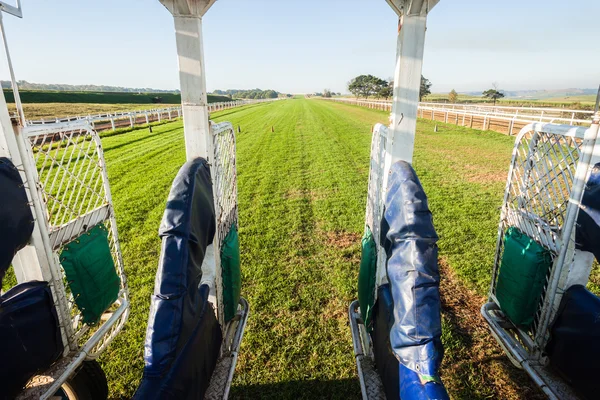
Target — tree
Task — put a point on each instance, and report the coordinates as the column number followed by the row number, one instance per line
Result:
column 494, row 93
column 386, row 91
column 453, row 96
column 425, row 87
column 365, row 85
column 327, row 93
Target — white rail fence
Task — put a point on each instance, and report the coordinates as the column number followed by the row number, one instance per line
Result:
column 129, row 119
column 507, row 120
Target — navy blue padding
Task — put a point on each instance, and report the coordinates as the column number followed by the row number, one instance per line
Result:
column 574, row 347
column 182, row 323
column 410, row 239
column 16, row 220
column 189, row 375
column 30, row 340
column 386, row 363
column 588, row 222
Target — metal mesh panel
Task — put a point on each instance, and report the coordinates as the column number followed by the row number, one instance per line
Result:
column 537, row 198
column 375, row 193
column 223, row 172
column 73, row 185
column 225, row 179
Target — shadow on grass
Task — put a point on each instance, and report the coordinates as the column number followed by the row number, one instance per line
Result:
column 474, row 366
column 308, row 389
column 236, row 110
column 142, row 139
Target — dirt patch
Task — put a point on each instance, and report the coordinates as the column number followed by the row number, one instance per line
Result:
column 342, row 240
column 479, row 174
column 474, row 366
column 312, row 195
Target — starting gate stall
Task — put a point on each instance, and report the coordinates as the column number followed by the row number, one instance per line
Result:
column 197, row 316
column 539, row 310
column 58, row 231
column 396, row 321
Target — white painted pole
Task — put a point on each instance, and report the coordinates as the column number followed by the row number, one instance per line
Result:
column 407, row 83
column 407, row 80
column 190, row 51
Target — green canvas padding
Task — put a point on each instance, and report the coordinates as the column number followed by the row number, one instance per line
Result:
column 91, row 273
column 367, row 276
column 231, row 273
column 523, row 270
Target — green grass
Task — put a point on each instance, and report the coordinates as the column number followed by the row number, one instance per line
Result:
column 302, row 194
column 39, row 96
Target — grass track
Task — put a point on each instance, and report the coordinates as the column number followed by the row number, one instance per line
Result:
column 302, row 191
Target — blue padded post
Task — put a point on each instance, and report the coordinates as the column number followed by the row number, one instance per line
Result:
column 183, row 339
column 410, row 239
column 587, row 234
column 16, row 220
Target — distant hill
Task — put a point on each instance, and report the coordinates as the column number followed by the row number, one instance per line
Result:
column 24, row 85
column 543, row 94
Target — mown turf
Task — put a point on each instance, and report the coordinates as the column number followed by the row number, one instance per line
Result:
column 302, row 193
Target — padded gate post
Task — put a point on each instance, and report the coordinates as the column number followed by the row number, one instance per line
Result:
column 410, row 239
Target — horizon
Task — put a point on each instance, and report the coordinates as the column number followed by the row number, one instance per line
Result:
column 305, row 47
column 343, row 92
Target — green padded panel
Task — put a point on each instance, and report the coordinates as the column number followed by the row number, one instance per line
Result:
column 523, row 270
column 231, row 273
column 91, row 273
column 367, row 277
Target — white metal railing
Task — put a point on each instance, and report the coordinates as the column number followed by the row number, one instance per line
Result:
column 511, row 115
column 114, row 120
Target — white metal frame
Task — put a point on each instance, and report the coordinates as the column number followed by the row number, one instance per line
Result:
column 216, row 144
column 66, row 180
column 549, row 170
column 389, row 145
column 38, row 152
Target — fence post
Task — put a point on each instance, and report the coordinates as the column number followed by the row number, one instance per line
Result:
column 131, row 120
column 112, row 123
column 147, row 121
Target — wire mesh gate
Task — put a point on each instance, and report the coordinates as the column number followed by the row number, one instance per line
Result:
column 550, row 166
column 65, row 166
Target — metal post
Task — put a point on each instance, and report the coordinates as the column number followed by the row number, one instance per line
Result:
column 187, row 15
column 10, row 67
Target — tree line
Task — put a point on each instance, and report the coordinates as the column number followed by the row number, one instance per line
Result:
column 493, row 94
column 371, row 86
column 60, row 87
column 248, row 94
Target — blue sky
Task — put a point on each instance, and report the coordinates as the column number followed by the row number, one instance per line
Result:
column 301, row 46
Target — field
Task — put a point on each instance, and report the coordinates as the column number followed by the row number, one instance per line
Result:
column 302, row 193
column 38, row 96
column 58, row 110
column 583, row 102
